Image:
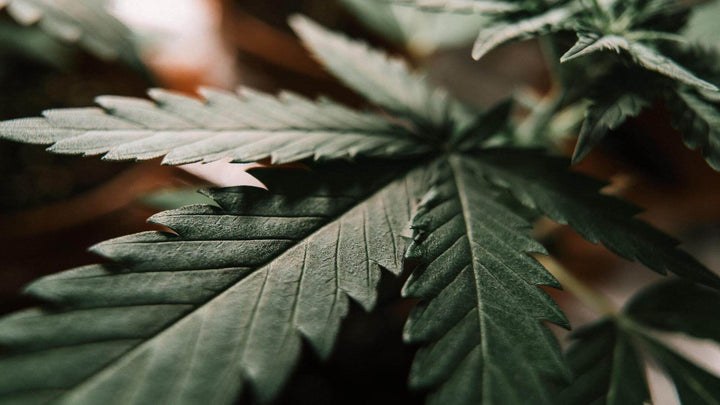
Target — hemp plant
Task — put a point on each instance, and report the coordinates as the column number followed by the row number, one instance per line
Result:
column 420, row 184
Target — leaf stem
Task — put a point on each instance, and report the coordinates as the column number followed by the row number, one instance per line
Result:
column 595, row 300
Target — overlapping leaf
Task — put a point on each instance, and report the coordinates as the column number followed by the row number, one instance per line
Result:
column 186, row 316
column 552, row 20
column 237, row 286
column 642, row 54
column 481, row 320
column 631, row 28
column 544, row 183
column 699, row 121
column 606, row 113
column 607, row 358
column 420, row 31
column 607, row 369
column 87, row 22
column 384, row 80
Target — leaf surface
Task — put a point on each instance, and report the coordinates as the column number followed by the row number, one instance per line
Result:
column 481, row 318
column 244, row 128
column 608, row 356
column 699, row 121
column 491, row 37
column 607, row 368
column 385, row 80
column 227, row 297
column 642, row 54
column 544, row 184
column 605, row 114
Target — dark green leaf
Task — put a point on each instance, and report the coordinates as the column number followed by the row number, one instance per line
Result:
column 679, row 306
column 604, row 114
column 606, row 367
column 551, row 21
column 694, row 385
column 699, row 120
column 544, row 183
column 481, row 320
column 227, row 297
column 643, row 55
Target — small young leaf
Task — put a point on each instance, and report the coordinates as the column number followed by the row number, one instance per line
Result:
column 699, row 121
column 493, row 36
column 605, row 114
column 643, row 55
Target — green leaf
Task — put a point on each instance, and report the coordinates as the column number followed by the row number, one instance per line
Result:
column 227, row 297
column 607, row 368
column 384, row 80
column 698, row 119
column 87, row 22
column 641, row 54
column 481, row 318
column 606, row 113
column 243, row 128
column 544, row 184
column 421, row 31
column 551, row 21
column 678, row 306
column 606, row 358
column 694, row 385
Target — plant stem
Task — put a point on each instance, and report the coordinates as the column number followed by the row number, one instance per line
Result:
column 595, row 300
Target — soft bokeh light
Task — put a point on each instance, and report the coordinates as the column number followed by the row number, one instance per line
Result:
column 181, row 35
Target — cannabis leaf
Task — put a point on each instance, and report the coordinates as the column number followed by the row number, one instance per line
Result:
column 185, row 130
column 226, row 297
column 483, row 307
column 633, row 29
column 607, row 358
column 698, row 119
column 544, row 184
column 240, row 284
column 643, row 55
column 609, row 108
column 421, row 32
column 495, row 35
column 87, row 22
